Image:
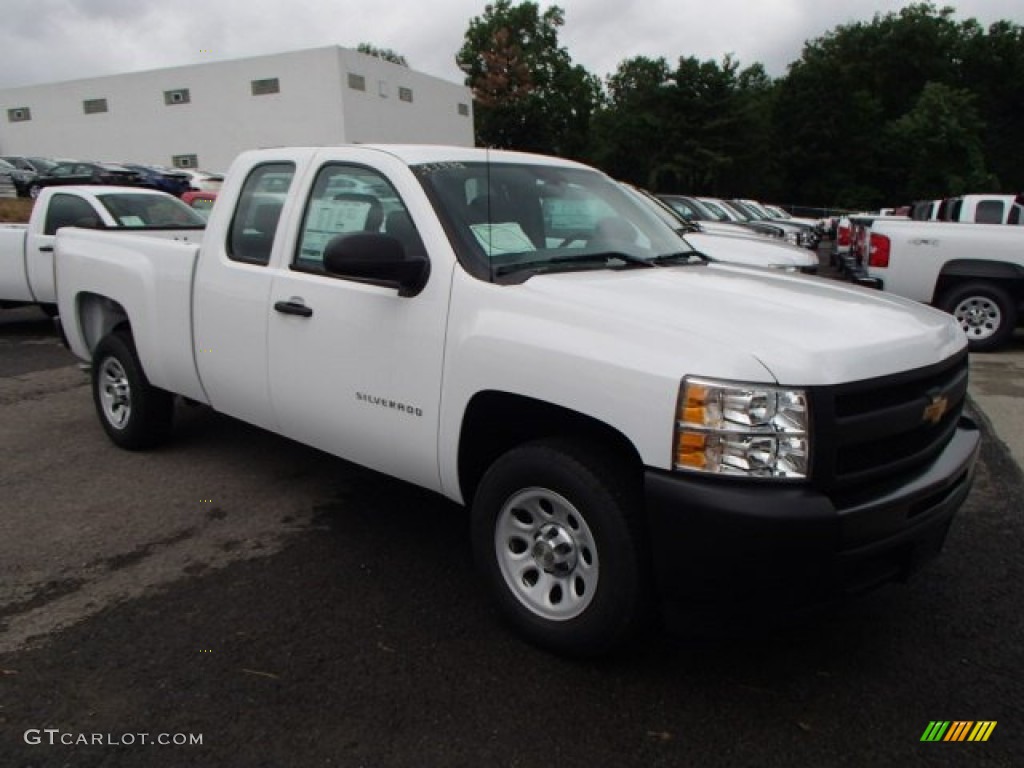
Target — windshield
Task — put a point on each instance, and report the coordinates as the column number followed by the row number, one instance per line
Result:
column 158, row 211
column 504, row 218
column 719, row 212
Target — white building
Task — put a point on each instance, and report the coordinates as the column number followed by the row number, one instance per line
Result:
column 202, row 115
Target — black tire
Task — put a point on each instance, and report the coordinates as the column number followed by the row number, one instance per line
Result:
column 985, row 311
column 564, row 518
column 134, row 414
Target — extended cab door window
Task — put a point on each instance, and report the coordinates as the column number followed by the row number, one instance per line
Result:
column 350, row 199
column 258, row 212
column 69, row 211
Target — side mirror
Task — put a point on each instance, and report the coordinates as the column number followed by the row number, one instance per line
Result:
column 376, row 258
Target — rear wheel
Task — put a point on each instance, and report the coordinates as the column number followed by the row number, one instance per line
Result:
column 555, row 534
column 985, row 312
column 134, row 414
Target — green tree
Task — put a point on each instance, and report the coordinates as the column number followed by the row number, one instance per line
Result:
column 528, row 93
column 939, row 144
column 382, row 53
column 703, row 127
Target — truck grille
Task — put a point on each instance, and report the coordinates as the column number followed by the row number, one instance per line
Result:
column 871, row 431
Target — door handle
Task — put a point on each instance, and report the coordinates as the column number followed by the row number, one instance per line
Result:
column 293, row 308
column 45, row 248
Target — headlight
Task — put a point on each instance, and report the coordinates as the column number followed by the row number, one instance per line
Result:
column 793, row 238
column 750, row 430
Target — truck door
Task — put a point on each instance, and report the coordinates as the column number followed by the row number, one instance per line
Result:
column 63, row 210
column 232, row 290
column 356, row 368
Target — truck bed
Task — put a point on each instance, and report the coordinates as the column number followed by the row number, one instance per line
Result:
column 150, row 277
column 13, row 284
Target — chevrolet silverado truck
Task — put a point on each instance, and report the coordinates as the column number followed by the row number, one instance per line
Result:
column 973, row 271
column 26, row 250
column 631, row 426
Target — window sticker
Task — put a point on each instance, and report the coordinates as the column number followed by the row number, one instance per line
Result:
column 132, row 221
column 504, row 237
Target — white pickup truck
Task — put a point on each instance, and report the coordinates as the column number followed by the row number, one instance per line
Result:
column 973, row 271
column 26, row 250
column 630, row 425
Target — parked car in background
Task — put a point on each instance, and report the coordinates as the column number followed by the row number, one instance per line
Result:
column 200, row 202
column 745, row 248
column 983, row 209
column 26, row 250
column 203, row 181
column 78, row 173
column 973, row 271
column 696, row 213
column 20, row 179
column 806, row 235
column 774, row 212
column 169, row 180
column 34, row 164
column 925, row 210
column 791, row 233
column 724, row 213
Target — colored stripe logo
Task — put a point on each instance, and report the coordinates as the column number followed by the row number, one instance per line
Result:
column 958, row 730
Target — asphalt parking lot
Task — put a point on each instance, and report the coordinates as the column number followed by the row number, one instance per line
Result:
column 291, row 609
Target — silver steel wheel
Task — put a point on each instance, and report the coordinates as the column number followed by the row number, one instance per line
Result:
column 115, row 393
column 979, row 316
column 546, row 553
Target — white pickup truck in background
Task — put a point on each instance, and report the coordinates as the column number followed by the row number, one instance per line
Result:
column 26, row 250
column 973, row 271
column 982, row 209
column 630, row 425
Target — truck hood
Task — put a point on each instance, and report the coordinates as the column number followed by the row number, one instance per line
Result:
column 805, row 331
column 754, row 250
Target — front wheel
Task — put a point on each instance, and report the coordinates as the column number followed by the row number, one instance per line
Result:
column 134, row 414
column 555, row 532
column 985, row 312
column 34, row 191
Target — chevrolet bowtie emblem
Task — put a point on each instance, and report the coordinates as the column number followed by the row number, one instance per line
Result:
column 935, row 410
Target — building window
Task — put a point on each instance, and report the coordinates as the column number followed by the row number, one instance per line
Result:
column 263, row 87
column 185, row 161
column 464, row 109
column 179, row 96
column 94, row 106
column 405, row 94
column 19, row 114
column 356, row 82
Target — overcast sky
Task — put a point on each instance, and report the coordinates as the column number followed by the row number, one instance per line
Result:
column 45, row 41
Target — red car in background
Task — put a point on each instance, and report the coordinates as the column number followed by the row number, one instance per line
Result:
column 202, row 202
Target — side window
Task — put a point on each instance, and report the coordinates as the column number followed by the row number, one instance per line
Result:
column 69, row 211
column 989, row 212
column 1014, row 217
column 254, row 225
column 349, row 199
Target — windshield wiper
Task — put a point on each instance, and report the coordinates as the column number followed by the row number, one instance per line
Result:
column 681, row 257
column 602, row 258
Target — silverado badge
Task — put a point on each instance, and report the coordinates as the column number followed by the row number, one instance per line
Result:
column 935, row 410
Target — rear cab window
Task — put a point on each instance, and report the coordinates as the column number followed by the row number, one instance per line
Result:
column 258, row 213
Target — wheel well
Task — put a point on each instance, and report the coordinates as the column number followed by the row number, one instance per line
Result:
column 496, row 422
column 98, row 316
column 1009, row 277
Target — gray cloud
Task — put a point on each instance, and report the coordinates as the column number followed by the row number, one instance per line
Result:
column 54, row 40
